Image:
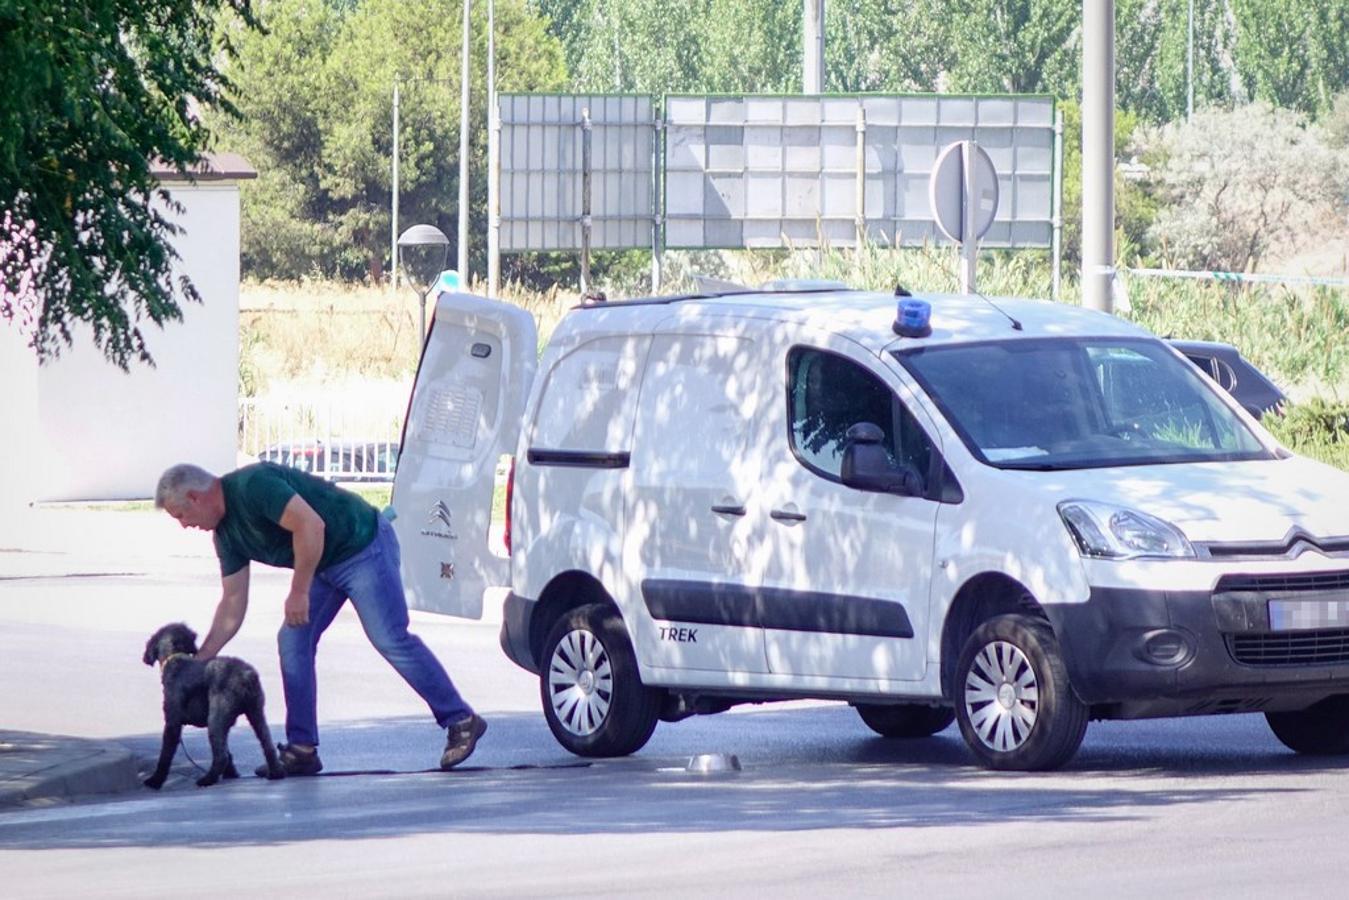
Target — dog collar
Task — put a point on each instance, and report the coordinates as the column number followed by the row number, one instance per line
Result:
column 171, row 657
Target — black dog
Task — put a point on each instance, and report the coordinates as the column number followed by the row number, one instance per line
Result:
column 210, row 695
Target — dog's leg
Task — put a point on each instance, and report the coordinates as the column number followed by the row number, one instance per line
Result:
column 218, row 722
column 230, row 771
column 173, row 733
column 258, row 720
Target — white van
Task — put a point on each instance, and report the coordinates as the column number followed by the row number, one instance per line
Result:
column 1022, row 516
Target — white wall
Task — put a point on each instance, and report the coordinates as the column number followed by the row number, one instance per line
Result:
column 105, row 434
column 18, row 418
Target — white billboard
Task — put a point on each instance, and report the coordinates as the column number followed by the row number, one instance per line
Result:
column 773, row 171
column 542, row 175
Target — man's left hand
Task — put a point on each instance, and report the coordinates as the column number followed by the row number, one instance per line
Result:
column 297, row 608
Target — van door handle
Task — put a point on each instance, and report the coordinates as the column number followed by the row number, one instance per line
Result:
column 729, row 510
column 786, row 515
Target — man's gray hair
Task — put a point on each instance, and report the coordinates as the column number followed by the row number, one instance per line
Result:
column 178, row 480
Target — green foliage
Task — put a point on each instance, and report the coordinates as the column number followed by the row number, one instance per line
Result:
column 1135, row 206
column 884, row 45
column 1293, row 55
column 932, row 268
column 1012, row 46
column 1316, row 421
column 1294, row 337
column 92, row 94
column 317, row 102
column 693, row 45
column 1318, row 429
column 1336, row 124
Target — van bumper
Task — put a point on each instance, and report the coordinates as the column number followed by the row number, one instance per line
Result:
column 1137, row 653
column 517, row 615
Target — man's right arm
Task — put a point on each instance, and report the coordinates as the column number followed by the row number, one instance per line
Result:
column 229, row 614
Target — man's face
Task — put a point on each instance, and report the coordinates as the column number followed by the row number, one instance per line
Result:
column 193, row 511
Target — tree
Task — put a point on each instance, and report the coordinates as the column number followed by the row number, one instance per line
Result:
column 1151, row 48
column 1294, row 55
column 693, row 45
column 1337, row 123
column 1135, row 207
column 885, row 45
column 1013, row 46
column 316, row 97
column 1240, row 184
column 92, row 94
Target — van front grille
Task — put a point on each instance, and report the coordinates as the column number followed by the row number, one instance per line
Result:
column 1282, row 584
column 1322, row 647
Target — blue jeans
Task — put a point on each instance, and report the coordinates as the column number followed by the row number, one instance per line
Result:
column 372, row 581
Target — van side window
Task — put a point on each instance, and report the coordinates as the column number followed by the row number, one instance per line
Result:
column 828, row 394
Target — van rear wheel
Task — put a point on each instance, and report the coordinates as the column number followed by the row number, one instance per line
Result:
column 1321, row 729
column 593, row 697
column 1013, row 701
column 905, row 720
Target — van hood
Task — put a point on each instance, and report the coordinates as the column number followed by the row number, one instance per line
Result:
column 1260, row 500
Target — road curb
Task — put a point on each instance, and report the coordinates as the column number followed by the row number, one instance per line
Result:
column 37, row 769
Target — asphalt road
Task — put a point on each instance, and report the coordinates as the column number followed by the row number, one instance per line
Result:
column 1201, row 807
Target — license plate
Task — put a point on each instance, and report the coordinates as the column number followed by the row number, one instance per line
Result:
column 1304, row 615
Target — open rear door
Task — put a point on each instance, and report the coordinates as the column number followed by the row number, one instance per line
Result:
column 467, row 404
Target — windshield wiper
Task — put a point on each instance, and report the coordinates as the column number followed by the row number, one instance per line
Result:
column 1039, row 467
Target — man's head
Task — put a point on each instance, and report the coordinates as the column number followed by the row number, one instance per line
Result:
column 191, row 495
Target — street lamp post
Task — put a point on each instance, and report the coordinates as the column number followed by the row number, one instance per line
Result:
column 463, row 144
column 432, row 251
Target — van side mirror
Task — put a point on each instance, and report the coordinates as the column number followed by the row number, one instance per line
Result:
column 867, row 467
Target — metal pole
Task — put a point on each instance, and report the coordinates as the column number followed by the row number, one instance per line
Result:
column 657, row 135
column 812, row 47
column 1057, row 252
column 1098, row 153
column 969, row 222
column 585, row 200
column 393, row 213
column 493, row 160
column 463, row 150
column 860, row 198
column 1189, row 64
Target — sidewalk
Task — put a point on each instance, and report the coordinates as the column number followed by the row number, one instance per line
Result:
column 41, row 769
column 72, row 541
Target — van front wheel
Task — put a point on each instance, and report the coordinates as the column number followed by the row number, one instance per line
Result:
column 593, row 698
column 1012, row 698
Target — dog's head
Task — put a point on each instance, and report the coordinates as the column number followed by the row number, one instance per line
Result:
column 171, row 639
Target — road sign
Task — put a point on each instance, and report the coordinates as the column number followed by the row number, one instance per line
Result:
column 963, row 192
column 947, row 188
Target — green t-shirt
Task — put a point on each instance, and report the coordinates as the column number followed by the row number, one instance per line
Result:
column 255, row 497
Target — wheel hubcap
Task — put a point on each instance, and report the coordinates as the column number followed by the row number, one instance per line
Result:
column 1002, row 696
column 580, row 682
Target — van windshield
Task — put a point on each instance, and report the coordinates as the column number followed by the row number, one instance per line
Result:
column 1080, row 403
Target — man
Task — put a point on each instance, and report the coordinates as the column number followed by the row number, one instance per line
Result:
column 340, row 548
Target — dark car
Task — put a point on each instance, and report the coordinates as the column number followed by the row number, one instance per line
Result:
column 1234, row 373
column 349, row 461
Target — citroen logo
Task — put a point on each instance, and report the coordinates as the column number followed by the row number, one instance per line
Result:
column 439, row 522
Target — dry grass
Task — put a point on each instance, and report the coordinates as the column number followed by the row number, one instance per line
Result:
column 308, row 337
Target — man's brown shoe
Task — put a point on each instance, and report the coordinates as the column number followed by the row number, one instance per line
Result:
column 294, row 762
column 462, row 739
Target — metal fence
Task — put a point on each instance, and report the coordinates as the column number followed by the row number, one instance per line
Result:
column 325, row 438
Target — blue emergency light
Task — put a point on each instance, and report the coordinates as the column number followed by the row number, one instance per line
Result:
column 913, row 318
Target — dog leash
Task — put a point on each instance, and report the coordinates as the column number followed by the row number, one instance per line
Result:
column 182, row 745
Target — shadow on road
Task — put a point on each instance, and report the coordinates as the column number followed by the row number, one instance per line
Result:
column 804, row 769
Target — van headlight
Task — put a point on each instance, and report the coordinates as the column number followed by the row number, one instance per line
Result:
column 1104, row 531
